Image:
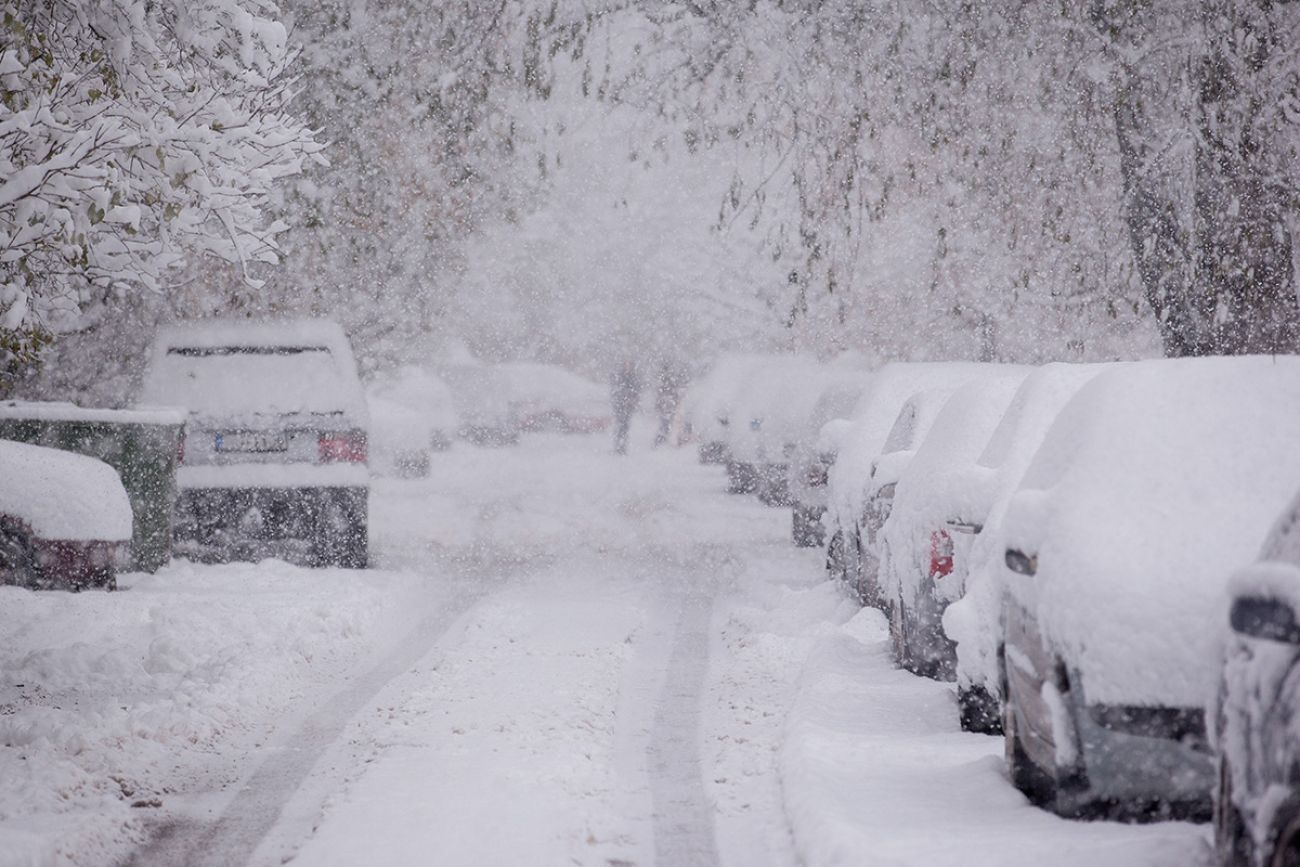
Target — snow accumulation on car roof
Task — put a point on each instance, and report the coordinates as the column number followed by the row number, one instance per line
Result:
column 556, row 386
column 1154, row 484
column 926, row 496
column 61, row 495
column 232, row 368
column 886, row 392
column 981, row 492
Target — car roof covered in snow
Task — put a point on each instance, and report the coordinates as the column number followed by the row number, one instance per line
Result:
column 980, row 493
column 61, row 495
column 1155, row 482
column 924, row 499
column 232, row 368
column 874, row 417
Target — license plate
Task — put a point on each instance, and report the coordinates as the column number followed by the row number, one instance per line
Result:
column 252, row 441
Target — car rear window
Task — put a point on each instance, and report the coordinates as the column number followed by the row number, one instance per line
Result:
column 233, row 380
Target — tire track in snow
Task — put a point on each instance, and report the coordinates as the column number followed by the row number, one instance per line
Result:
column 683, row 812
column 254, row 810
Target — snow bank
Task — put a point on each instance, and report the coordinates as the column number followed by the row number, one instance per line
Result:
column 1154, row 484
column 62, row 495
column 109, row 700
column 875, row 772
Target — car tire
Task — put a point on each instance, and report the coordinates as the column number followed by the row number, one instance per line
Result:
column 1025, row 776
column 979, row 711
column 806, row 527
column 17, row 557
column 1232, row 840
column 835, row 566
column 898, row 636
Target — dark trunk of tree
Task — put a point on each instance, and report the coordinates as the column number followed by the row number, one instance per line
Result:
column 1220, row 280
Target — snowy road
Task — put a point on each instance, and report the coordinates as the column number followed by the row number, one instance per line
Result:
column 566, row 658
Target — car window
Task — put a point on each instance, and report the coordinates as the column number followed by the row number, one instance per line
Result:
column 229, row 380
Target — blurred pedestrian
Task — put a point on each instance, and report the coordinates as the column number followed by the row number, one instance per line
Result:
column 625, row 395
column 668, row 396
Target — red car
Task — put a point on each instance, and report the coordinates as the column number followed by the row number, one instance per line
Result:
column 65, row 521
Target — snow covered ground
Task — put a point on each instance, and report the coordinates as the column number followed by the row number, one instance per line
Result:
column 565, row 657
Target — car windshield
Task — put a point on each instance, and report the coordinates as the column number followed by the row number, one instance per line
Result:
column 234, row 380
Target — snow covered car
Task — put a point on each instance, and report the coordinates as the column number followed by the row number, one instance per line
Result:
column 1256, row 737
column 65, row 520
column 1155, row 482
column 275, row 449
column 971, row 503
column 910, row 429
column 709, row 403
column 545, row 398
column 411, row 416
column 813, row 456
column 772, row 411
column 859, row 443
column 929, row 532
column 481, row 394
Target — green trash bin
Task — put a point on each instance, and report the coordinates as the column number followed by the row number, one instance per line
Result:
column 141, row 444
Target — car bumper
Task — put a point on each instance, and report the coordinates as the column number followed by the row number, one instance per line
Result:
column 253, row 476
column 1146, row 758
column 220, row 524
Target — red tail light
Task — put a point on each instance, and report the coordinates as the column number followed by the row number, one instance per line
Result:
column 940, row 554
column 343, row 447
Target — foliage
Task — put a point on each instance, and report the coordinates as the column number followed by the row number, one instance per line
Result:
column 135, row 134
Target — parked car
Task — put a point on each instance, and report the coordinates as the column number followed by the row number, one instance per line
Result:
column 709, row 402
column 857, row 446
column 814, row 455
column 1255, row 714
column 928, row 535
column 917, row 416
column 481, row 394
column 974, row 500
column 772, row 410
column 65, row 520
column 411, row 416
column 1152, row 485
column 275, row 449
column 545, row 398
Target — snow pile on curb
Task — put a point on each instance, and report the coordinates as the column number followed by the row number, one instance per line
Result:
column 876, row 771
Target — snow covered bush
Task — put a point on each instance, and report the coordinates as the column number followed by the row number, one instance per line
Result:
column 135, row 134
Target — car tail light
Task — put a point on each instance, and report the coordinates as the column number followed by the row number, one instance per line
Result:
column 180, row 448
column 343, row 447
column 940, row 554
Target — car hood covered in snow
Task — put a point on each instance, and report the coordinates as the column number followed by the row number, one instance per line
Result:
column 1154, row 484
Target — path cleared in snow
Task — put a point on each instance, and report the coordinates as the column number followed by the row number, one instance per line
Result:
column 568, row 658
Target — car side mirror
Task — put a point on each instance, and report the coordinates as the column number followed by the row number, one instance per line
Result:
column 1021, row 563
column 1265, row 617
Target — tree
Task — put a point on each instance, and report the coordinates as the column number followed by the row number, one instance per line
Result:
column 134, row 135
column 1206, row 121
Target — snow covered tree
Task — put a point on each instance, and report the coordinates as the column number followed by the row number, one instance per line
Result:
column 940, row 182
column 1207, row 116
column 134, row 135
